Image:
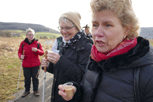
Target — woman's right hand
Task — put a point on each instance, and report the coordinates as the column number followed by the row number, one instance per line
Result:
column 64, row 94
column 22, row 57
column 44, row 62
column 53, row 57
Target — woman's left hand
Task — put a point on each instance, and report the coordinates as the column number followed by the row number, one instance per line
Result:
column 53, row 57
column 65, row 96
column 34, row 49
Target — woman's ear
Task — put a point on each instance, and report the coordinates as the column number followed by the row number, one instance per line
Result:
column 127, row 30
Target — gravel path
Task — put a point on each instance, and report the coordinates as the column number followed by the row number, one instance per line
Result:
column 31, row 97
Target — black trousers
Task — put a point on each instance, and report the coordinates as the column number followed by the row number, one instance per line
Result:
column 29, row 73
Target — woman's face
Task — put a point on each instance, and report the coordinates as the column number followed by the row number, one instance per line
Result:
column 87, row 30
column 30, row 36
column 67, row 30
column 107, row 31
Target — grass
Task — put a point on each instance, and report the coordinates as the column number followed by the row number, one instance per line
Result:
column 44, row 34
column 16, row 31
column 10, row 66
column 47, row 34
column 151, row 41
column 9, row 77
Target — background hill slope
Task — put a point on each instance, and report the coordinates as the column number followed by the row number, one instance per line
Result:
column 146, row 32
column 24, row 26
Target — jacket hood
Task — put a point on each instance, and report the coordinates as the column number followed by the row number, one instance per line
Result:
column 138, row 56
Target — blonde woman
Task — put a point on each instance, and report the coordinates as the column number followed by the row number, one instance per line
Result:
column 121, row 63
column 29, row 51
column 70, row 63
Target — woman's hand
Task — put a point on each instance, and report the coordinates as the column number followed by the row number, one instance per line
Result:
column 53, row 57
column 22, row 57
column 64, row 94
column 44, row 62
column 34, row 49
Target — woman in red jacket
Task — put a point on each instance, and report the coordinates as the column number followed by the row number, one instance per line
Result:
column 29, row 52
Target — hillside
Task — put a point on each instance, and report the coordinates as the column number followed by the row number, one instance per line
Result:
column 146, row 32
column 24, row 26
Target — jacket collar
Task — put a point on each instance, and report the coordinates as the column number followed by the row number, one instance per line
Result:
column 73, row 40
column 79, row 44
column 131, row 59
column 27, row 41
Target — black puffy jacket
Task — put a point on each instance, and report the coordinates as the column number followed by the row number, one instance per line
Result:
column 71, row 66
column 112, row 80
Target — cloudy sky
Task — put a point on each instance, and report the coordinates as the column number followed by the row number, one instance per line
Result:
column 47, row 12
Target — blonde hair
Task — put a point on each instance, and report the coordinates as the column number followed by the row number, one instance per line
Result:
column 30, row 30
column 123, row 9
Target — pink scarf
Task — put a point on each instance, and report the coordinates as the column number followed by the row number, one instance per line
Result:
column 122, row 48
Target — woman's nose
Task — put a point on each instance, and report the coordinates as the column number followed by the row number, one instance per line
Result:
column 99, row 32
column 64, row 31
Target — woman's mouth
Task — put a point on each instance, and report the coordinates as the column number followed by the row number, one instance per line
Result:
column 100, row 43
column 66, row 35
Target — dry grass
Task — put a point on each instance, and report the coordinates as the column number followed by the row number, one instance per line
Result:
column 151, row 41
column 10, row 66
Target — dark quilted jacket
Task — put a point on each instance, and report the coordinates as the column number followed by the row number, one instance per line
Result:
column 112, row 80
column 71, row 66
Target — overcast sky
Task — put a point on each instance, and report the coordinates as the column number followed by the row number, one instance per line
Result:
column 47, row 12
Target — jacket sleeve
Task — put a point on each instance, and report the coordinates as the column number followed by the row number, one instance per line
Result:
column 20, row 50
column 74, row 71
column 40, row 51
column 50, row 68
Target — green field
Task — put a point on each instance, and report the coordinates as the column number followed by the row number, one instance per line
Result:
column 47, row 34
column 44, row 35
column 151, row 43
column 38, row 35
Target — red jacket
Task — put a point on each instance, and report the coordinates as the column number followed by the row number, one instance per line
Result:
column 31, row 58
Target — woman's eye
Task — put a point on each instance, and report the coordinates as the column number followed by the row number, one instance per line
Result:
column 94, row 25
column 108, row 25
